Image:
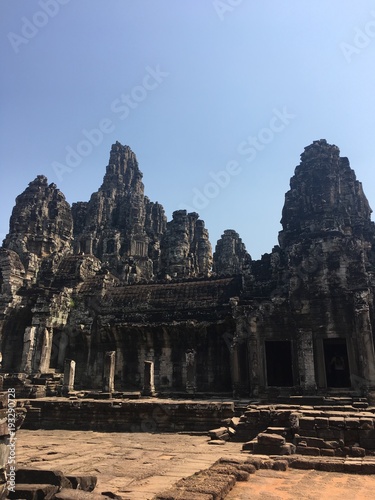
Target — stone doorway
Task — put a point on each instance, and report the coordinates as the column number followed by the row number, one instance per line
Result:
column 279, row 363
column 336, row 363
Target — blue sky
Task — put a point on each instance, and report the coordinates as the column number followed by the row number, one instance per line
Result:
column 217, row 99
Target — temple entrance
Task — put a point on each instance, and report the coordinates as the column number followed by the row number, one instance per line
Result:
column 336, row 363
column 279, row 363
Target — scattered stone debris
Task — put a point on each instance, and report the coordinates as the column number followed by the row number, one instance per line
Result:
column 338, row 430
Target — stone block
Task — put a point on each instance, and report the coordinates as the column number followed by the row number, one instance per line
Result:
column 366, row 423
column 325, row 452
column 84, row 483
column 351, row 436
column 337, row 422
column 294, row 420
column 304, row 464
column 280, row 465
column 331, row 466
column 326, row 434
column 308, row 450
column 240, row 475
column 312, row 442
column 39, row 476
column 210, row 483
column 321, row 422
column 353, row 467
column 357, row 451
column 217, row 433
column 368, row 468
column 250, row 468
column 33, row 491
column 249, row 445
column 308, row 433
column 270, row 439
column 264, row 449
column 307, row 423
column 288, row 449
column 352, row 423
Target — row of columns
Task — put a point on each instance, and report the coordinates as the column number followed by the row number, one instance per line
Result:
column 109, row 375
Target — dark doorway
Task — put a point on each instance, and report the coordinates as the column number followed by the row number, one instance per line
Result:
column 279, row 363
column 336, row 363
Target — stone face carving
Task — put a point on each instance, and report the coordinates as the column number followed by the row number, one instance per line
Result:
column 230, row 256
column 128, row 282
column 185, row 247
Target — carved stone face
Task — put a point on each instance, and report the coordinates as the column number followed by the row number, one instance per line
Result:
column 177, row 255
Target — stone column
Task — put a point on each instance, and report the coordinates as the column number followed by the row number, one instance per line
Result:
column 109, row 371
column 190, row 371
column 46, row 350
column 364, row 336
column 69, row 374
column 148, row 384
column 28, row 349
column 235, row 369
column 306, row 366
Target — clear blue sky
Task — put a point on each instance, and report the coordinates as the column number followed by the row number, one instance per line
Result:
column 194, row 87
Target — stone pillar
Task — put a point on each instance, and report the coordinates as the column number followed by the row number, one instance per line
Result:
column 69, row 374
column 28, row 349
column 364, row 336
column 190, row 371
column 306, row 367
column 46, row 350
column 148, row 383
column 109, row 371
column 235, row 369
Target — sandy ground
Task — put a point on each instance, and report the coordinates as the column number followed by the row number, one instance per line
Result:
column 139, row 465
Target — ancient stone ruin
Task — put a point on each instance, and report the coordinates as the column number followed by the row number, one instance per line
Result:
column 108, row 295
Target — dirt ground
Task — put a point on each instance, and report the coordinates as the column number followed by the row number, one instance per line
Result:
column 136, row 466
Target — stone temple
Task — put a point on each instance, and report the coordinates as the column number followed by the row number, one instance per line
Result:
column 124, row 300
